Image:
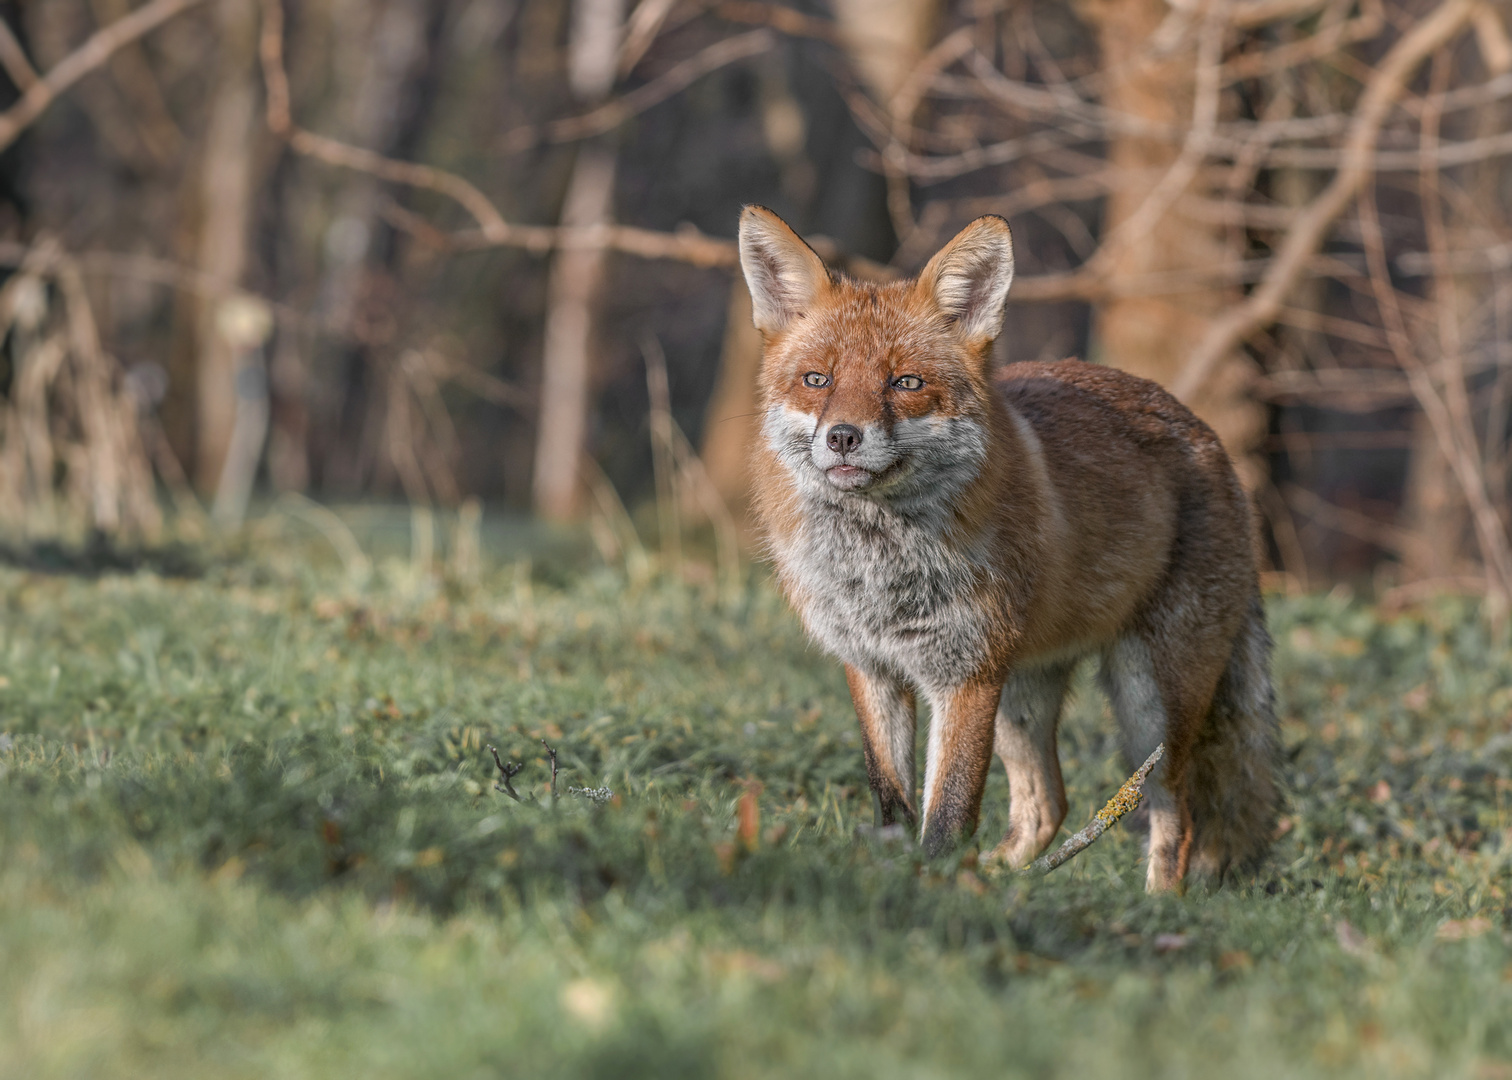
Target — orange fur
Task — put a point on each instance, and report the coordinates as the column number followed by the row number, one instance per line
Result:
column 965, row 535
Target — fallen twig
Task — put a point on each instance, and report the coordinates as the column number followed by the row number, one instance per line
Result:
column 1120, row 804
column 506, row 773
column 552, row 754
column 598, row 795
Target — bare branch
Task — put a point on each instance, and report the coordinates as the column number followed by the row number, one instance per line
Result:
column 493, row 230
column 87, row 57
column 785, row 19
column 1312, row 226
column 1256, row 13
column 1400, row 542
column 552, row 755
column 14, row 60
column 1463, row 459
column 1126, row 799
column 613, row 113
column 1194, row 149
column 506, row 774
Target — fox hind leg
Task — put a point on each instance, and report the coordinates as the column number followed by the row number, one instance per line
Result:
column 1028, row 713
column 1161, row 679
column 1133, row 687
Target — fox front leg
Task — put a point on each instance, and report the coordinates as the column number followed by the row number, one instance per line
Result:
column 885, row 709
column 960, row 753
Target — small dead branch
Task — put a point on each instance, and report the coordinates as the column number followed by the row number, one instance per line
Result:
column 789, row 21
column 616, row 111
column 551, row 754
column 42, row 92
column 597, row 795
column 1384, row 535
column 1120, row 804
column 506, row 774
column 13, row 58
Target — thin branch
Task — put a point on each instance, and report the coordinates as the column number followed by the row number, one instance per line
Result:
column 612, row 114
column 1254, row 14
column 1136, row 227
column 493, row 230
column 506, row 774
column 1077, row 120
column 784, row 19
column 1388, row 83
column 87, row 57
column 1462, row 458
column 1400, row 542
column 1126, row 799
column 901, row 110
column 641, row 30
column 13, row 58
column 552, row 755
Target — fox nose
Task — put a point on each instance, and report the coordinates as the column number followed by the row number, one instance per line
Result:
column 843, row 438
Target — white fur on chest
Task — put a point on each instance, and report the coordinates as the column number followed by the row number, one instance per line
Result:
column 884, row 594
column 873, row 576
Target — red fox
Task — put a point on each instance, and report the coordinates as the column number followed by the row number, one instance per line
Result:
column 965, row 536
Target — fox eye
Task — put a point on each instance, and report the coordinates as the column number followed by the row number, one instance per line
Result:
column 908, row 382
column 816, row 379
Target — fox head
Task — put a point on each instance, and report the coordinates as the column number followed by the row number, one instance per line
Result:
column 876, row 391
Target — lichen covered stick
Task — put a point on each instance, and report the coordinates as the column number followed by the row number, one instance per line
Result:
column 1120, row 804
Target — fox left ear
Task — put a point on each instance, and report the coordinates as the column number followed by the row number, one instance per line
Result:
column 968, row 278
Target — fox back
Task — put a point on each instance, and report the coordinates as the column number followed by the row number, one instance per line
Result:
column 965, row 536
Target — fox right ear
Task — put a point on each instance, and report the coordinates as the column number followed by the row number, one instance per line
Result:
column 784, row 274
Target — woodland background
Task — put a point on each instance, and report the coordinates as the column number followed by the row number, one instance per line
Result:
column 463, row 250
column 283, row 276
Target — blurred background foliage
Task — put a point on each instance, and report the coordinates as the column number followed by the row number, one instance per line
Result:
column 457, row 250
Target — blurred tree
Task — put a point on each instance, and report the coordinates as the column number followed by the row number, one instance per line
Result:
column 1152, row 66
column 226, row 187
column 577, row 272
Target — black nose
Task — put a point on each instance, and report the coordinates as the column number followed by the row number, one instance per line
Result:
column 843, row 438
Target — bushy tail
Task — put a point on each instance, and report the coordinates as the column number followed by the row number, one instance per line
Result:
column 1234, row 793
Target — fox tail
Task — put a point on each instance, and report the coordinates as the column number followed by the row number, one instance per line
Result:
column 1235, row 795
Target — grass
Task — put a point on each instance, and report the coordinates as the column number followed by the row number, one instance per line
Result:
column 248, row 828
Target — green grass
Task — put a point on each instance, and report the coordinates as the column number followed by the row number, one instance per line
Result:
column 248, row 828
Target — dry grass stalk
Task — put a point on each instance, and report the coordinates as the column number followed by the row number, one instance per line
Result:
column 663, row 455
column 72, row 459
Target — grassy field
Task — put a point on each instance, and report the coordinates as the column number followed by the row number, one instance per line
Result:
column 248, row 828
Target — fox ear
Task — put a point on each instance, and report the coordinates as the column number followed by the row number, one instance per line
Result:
column 968, row 278
column 783, row 273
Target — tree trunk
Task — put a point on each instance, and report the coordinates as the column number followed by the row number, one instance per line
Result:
column 226, row 188
column 731, row 422
column 885, row 39
column 576, row 274
column 1153, row 335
